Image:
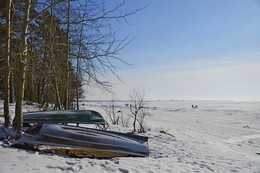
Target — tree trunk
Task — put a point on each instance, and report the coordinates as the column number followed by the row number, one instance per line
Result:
column 78, row 69
column 18, row 121
column 12, row 97
column 134, row 123
column 57, row 94
column 67, row 99
column 78, row 66
column 7, row 73
column 68, row 65
column 77, row 84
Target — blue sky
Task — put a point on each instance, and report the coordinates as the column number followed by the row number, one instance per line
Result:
column 191, row 50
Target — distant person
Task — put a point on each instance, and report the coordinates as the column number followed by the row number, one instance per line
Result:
column 194, row 106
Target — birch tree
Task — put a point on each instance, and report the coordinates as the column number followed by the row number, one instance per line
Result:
column 68, row 59
column 22, row 64
column 7, row 64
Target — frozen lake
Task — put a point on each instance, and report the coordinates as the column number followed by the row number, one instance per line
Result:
column 219, row 136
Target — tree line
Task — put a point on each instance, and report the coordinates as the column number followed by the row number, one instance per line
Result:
column 51, row 48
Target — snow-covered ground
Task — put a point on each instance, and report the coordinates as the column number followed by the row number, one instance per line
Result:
column 215, row 137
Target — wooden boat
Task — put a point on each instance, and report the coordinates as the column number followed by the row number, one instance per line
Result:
column 82, row 142
column 64, row 116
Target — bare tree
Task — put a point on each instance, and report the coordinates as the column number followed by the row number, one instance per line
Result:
column 7, row 64
column 124, row 120
column 68, row 58
column 22, row 65
column 141, row 119
column 112, row 112
column 99, row 46
column 50, row 38
column 78, row 68
column 137, row 104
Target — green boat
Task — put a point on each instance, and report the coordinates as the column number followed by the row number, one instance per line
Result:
column 65, row 116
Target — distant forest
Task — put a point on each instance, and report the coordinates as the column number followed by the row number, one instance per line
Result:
column 51, row 48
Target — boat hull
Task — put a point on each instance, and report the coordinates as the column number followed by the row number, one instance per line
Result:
column 64, row 116
column 82, row 142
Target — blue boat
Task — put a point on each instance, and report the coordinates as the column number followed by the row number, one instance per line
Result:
column 82, row 142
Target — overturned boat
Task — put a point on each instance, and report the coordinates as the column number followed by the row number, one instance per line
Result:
column 64, row 116
column 82, row 142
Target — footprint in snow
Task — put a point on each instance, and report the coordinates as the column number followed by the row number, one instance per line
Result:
column 70, row 163
column 123, row 170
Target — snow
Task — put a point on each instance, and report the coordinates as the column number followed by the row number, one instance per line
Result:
column 221, row 136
